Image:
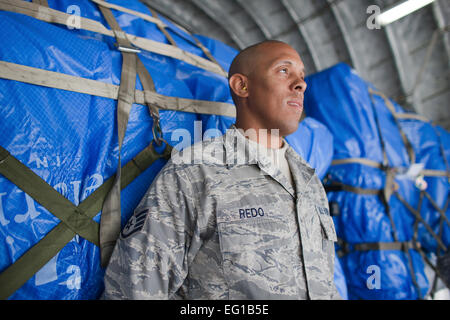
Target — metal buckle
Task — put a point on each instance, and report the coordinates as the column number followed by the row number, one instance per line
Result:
column 128, row 49
column 157, row 132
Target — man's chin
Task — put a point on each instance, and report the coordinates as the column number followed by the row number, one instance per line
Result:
column 289, row 128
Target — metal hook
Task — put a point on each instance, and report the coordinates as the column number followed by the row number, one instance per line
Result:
column 157, row 132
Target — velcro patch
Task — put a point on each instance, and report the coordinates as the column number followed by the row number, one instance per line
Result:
column 322, row 210
column 135, row 224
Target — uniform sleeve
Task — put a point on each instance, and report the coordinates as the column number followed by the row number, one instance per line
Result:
column 335, row 295
column 323, row 200
column 150, row 260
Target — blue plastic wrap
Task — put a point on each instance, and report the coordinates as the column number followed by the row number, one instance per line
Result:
column 338, row 98
column 69, row 139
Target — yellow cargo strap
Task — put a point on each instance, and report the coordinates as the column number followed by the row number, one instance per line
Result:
column 54, row 16
column 110, row 223
column 41, row 77
column 111, row 212
column 161, row 27
column 41, row 2
column 74, row 219
column 390, row 189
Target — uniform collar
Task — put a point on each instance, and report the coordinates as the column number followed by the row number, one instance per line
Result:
column 302, row 173
column 241, row 151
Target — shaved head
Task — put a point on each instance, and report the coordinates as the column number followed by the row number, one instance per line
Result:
column 245, row 61
column 248, row 59
column 267, row 84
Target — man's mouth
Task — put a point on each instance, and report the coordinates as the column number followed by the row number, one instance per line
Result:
column 295, row 103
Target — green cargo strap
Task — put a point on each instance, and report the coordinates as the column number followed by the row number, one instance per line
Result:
column 54, row 16
column 389, row 190
column 50, row 79
column 389, row 185
column 149, row 87
column 47, row 196
column 419, row 217
column 363, row 161
column 381, row 193
column 378, row 165
column 41, row 2
column 442, row 151
column 391, row 108
column 161, row 26
column 389, row 173
column 172, row 42
column 402, row 116
column 17, row 274
column 439, row 210
column 396, row 245
column 368, row 246
column 435, row 269
column 338, row 186
column 110, row 233
column 111, row 212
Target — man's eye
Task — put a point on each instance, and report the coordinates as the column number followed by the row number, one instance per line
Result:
column 284, row 70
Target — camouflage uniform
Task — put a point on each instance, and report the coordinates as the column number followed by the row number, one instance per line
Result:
column 226, row 227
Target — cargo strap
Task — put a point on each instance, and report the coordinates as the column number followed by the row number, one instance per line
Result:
column 391, row 108
column 379, row 165
column 141, row 15
column 47, row 196
column 419, row 218
column 110, row 223
column 395, row 114
column 162, row 28
column 339, row 186
column 111, row 211
column 390, row 188
column 50, row 79
column 346, row 248
column 405, row 245
column 78, row 220
column 14, row 276
column 436, row 269
column 54, row 16
column 41, row 2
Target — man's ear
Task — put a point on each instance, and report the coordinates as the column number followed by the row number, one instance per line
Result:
column 238, row 84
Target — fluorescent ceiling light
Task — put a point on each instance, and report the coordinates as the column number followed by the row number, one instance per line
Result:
column 400, row 11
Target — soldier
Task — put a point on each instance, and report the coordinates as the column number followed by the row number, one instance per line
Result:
column 249, row 219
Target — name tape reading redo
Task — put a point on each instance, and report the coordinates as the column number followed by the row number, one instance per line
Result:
column 251, row 213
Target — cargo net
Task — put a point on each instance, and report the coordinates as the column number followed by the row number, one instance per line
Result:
column 416, row 226
column 146, row 41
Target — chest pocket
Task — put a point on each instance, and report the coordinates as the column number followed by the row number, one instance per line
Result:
column 251, row 235
column 257, row 255
column 328, row 233
column 327, row 224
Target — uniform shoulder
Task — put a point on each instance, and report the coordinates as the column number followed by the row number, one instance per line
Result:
column 209, row 152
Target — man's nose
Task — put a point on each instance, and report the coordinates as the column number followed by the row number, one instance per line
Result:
column 299, row 85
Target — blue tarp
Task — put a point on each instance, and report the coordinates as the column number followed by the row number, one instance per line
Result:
column 339, row 98
column 70, row 139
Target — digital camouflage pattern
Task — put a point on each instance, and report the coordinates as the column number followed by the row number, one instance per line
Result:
column 227, row 225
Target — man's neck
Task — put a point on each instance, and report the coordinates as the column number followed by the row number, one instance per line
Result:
column 268, row 138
